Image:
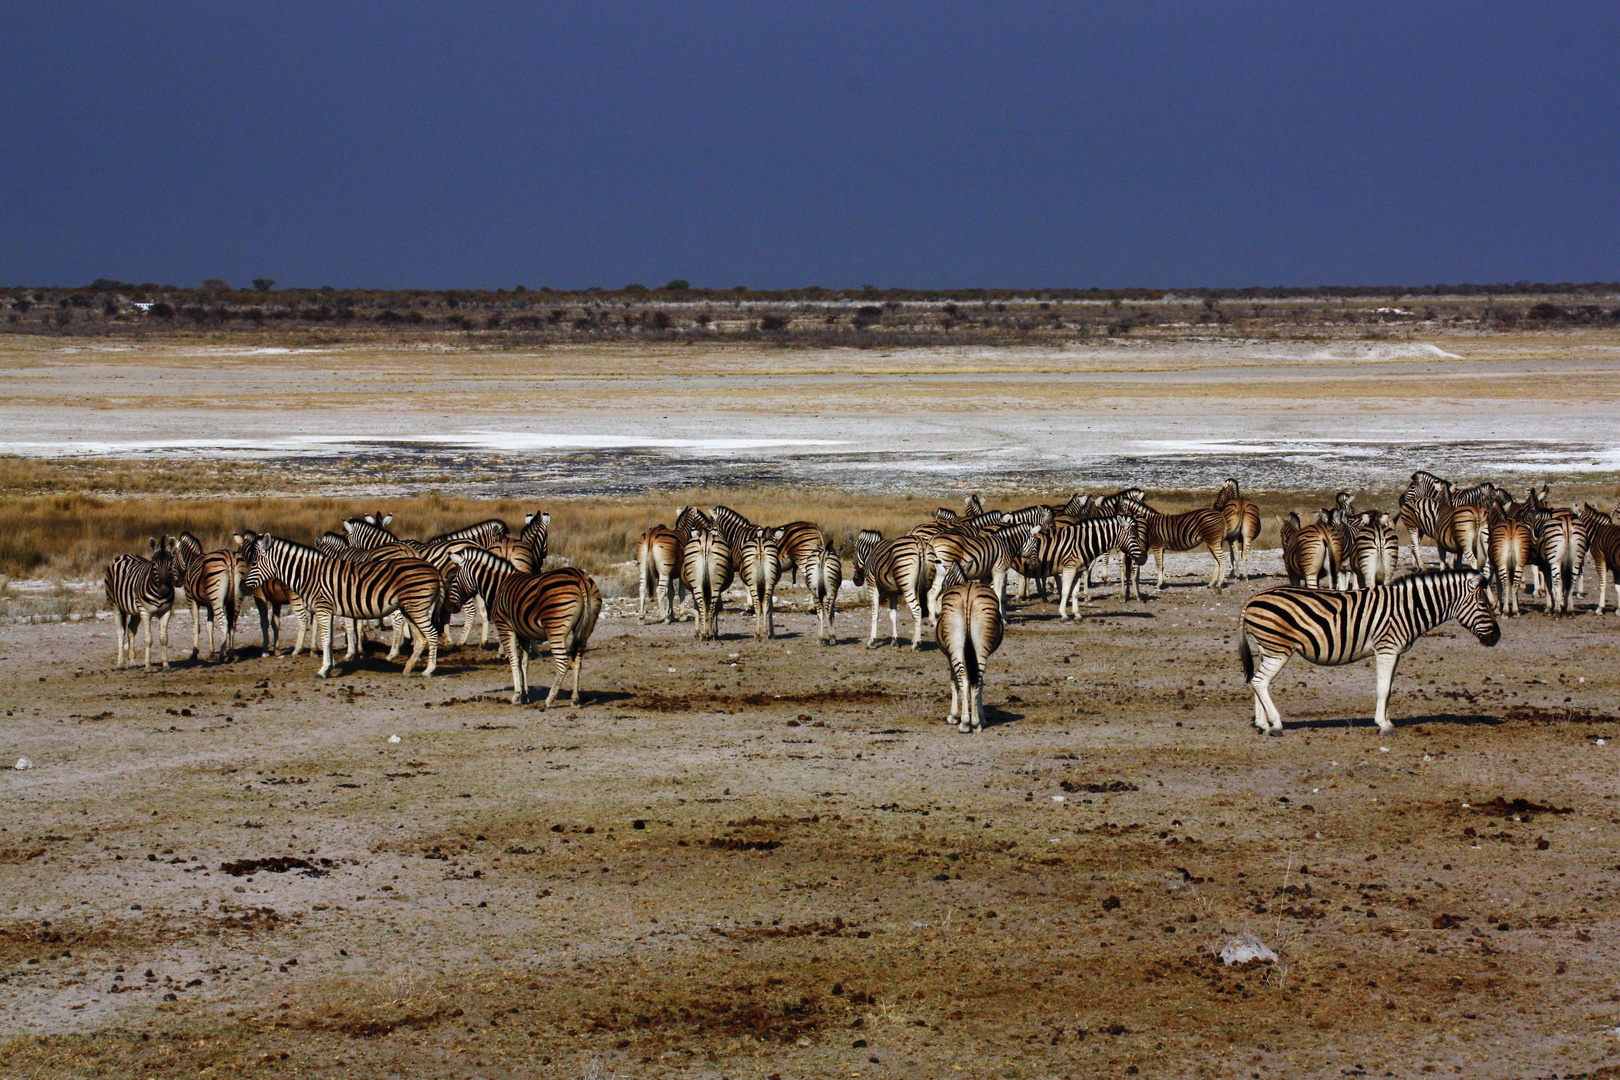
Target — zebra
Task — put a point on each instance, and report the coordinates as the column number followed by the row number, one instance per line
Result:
column 801, row 542
column 1332, row 628
column 898, row 570
column 1375, row 548
column 1603, row 542
column 333, row 588
column 985, row 557
column 1071, row 551
column 1560, row 552
column 689, row 518
column 659, row 554
column 136, row 587
column 559, row 607
column 334, row 544
column 1511, row 546
column 1420, row 506
column 1307, row 552
column 824, row 574
column 1183, row 532
column 1461, row 531
column 1242, row 525
column 1340, row 533
column 759, row 567
column 969, row 630
column 210, row 582
column 369, row 531
column 269, row 598
column 706, row 570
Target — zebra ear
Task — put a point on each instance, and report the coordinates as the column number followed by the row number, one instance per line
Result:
column 386, row 519
column 545, row 519
column 458, row 558
column 171, row 544
column 236, row 538
column 780, row 533
column 151, row 543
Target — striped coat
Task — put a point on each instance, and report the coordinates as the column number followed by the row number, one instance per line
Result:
column 211, row 581
column 1375, row 548
column 559, row 607
column 269, row 598
column 898, row 570
column 824, row 574
column 137, row 587
column 1242, row 525
column 658, row 554
column 707, row 570
column 1070, row 552
column 374, row 589
column 1330, row 628
column 1204, row 528
column 969, row 630
column 1603, row 544
column 759, row 566
column 1307, row 552
column 1420, row 508
column 1560, row 551
column 1510, row 550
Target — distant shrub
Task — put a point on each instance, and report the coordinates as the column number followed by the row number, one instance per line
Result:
column 163, row 309
column 677, row 285
column 264, row 284
column 775, row 323
column 662, row 320
column 1545, row 312
column 493, row 321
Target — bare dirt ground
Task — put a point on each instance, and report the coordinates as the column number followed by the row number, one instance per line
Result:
column 772, row 859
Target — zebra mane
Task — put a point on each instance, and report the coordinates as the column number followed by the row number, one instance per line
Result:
column 534, row 525
column 490, row 527
column 486, row 560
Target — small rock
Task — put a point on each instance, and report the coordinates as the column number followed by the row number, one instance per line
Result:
column 393, row 738
column 23, row 763
column 1245, row 948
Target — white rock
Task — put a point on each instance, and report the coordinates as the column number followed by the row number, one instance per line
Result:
column 393, row 738
column 1059, row 798
column 1244, row 948
column 23, row 763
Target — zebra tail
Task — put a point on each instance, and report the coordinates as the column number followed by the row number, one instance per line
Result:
column 1246, row 654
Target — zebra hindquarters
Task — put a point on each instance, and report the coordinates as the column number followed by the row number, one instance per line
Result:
column 969, row 628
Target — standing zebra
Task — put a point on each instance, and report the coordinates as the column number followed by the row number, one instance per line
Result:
column 984, row 557
column 1242, row 525
column 1073, row 549
column 1332, row 628
column 824, row 574
column 1560, row 552
column 1374, row 549
column 1461, row 532
column 1183, row 532
column 1511, row 547
column 800, row 542
column 898, row 570
column 333, row 588
column 659, row 554
column 1603, row 542
column 210, row 582
column 759, row 567
column 969, row 630
column 706, row 570
column 271, row 595
column 559, row 607
column 136, row 587
column 1307, row 552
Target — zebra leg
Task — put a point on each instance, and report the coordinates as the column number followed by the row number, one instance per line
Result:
column 579, row 662
column 520, row 690
column 163, row 634
column 147, row 665
column 871, row 640
column 323, row 633
column 196, row 633
column 1067, row 608
column 120, row 628
column 1158, row 555
column 956, row 686
column 1266, row 716
column 1385, row 665
column 916, row 624
column 1218, row 582
column 977, row 690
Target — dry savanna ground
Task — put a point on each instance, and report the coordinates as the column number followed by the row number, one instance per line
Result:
column 772, row 859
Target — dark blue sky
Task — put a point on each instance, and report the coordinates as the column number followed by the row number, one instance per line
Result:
column 838, row 144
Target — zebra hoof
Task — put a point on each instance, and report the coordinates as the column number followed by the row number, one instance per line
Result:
column 964, row 727
column 1275, row 732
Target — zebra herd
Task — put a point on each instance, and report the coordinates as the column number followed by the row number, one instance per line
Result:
column 1343, row 603
column 367, row 574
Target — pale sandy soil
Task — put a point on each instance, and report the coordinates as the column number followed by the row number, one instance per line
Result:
column 749, row 859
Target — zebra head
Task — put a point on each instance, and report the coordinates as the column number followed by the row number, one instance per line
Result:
column 1473, row 609
column 1132, row 537
column 865, row 543
column 259, row 570
column 1031, row 546
column 164, row 557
